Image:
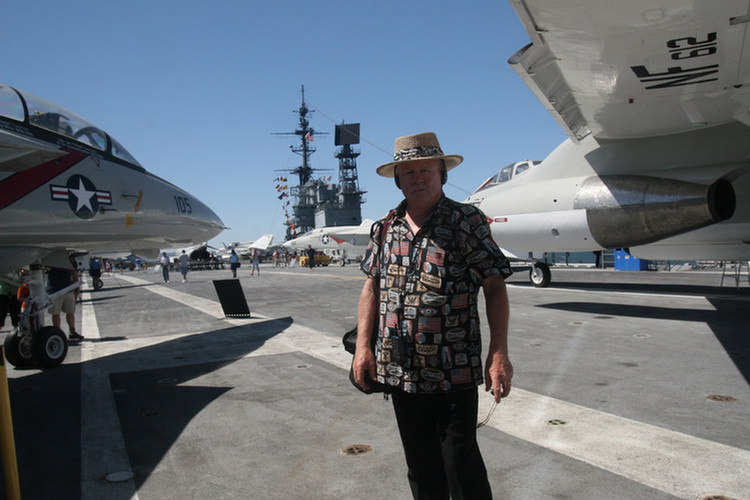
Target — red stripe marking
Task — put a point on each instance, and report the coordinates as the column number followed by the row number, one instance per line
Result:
column 20, row 184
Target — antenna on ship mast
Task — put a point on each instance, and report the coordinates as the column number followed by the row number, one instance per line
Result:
column 307, row 135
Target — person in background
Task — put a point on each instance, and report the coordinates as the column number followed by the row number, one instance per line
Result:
column 164, row 263
column 57, row 279
column 95, row 269
column 184, row 264
column 234, row 263
column 255, row 261
column 310, row 257
column 9, row 304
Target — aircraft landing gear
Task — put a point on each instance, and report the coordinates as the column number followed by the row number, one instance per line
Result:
column 46, row 348
column 18, row 350
column 36, row 345
column 539, row 274
column 50, row 345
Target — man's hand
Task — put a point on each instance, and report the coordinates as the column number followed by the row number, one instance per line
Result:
column 362, row 366
column 498, row 373
column 497, row 370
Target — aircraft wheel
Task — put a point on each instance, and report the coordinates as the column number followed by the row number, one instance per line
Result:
column 540, row 275
column 50, row 346
column 18, row 351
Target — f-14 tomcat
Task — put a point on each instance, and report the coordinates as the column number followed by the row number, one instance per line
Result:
column 67, row 186
column 655, row 99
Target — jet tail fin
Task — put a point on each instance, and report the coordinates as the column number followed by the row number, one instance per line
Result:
column 263, row 242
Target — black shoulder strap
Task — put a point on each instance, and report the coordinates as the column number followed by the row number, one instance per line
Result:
column 384, row 227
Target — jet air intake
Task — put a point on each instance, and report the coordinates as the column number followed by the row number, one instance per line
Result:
column 630, row 210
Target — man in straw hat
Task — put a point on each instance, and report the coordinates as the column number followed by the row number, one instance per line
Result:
column 425, row 264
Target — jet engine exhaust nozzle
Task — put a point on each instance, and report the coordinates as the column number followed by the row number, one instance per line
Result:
column 631, row 210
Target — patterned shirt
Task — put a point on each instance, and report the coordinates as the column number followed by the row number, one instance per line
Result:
column 428, row 340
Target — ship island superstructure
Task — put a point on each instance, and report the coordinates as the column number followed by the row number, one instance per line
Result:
column 317, row 202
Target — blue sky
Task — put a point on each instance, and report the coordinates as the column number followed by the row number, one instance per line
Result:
column 194, row 90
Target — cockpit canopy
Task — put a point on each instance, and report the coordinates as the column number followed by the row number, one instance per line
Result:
column 46, row 115
column 507, row 172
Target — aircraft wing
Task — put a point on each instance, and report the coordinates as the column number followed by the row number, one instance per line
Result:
column 626, row 69
column 21, row 153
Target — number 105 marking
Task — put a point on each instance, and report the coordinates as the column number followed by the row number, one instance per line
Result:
column 183, row 205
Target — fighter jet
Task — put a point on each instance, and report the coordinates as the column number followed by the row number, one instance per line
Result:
column 66, row 186
column 342, row 243
column 655, row 99
column 244, row 247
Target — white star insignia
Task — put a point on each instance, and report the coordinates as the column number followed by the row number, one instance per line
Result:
column 83, row 196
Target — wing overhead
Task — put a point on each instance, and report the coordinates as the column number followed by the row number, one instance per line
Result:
column 18, row 153
column 636, row 68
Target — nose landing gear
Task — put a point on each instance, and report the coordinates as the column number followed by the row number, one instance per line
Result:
column 50, row 345
column 45, row 348
column 33, row 344
column 18, row 350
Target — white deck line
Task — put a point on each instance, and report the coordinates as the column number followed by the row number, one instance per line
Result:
column 99, row 421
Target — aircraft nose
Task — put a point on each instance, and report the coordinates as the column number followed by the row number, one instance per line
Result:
column 203, row 221
column 210, row 217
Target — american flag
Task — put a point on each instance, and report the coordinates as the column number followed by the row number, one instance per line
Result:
column 429, row 325
column 461, row 376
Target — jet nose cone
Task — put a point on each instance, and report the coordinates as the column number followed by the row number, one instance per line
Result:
column 202, row 220
column 213, row 220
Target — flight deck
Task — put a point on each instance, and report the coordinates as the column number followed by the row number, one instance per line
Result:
column 627, row 385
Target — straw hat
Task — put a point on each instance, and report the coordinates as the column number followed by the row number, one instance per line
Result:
column 424, row 146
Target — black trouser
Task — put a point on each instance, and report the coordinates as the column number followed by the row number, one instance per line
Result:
column 438, row 432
